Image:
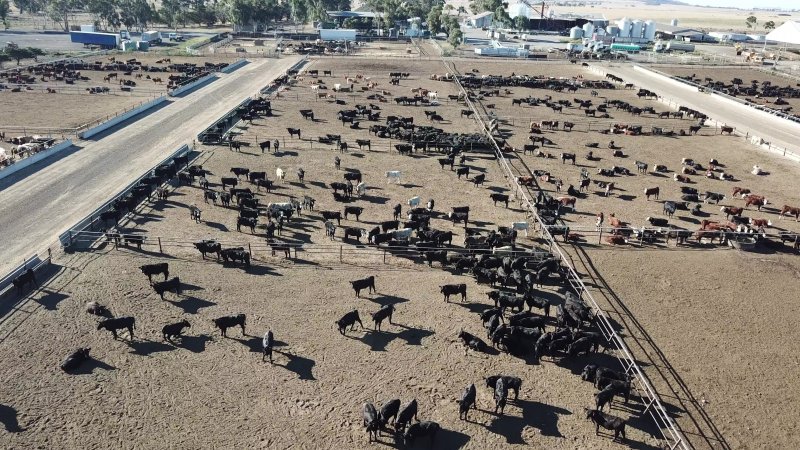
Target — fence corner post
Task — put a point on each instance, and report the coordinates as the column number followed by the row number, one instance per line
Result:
column 160, row 249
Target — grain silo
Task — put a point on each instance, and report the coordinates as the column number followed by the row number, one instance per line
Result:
column 612, row 30
column 649, row 31
column 588, row 29
column 673, row 22
column 575, row 33
column 624, row 27
column 636, row 28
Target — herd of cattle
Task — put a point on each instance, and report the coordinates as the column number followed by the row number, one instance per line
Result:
column 552, row 209
column 69, row 71
column 516, row 278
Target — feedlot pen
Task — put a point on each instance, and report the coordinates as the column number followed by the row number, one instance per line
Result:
column 312, row 396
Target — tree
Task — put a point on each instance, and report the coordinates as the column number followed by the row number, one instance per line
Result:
column 434, row 20
column 60, row 10
column 520, row 23
column 5, row 8
column 770, row 25
column 461, row 10
column 455, row 37
column 18, row 54
column 751, row 22
column 4, row 58
column 501, row 16
column 29, row 5
column 104, row 13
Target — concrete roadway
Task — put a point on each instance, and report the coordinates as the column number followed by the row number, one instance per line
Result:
column 780, row 132
column 39, row 203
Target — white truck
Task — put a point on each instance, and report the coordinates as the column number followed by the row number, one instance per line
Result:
column 673, row 46
column 151, row 37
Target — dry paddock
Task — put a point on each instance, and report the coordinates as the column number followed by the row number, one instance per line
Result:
column 73, row 106
column 627, row 200
column 212, row 391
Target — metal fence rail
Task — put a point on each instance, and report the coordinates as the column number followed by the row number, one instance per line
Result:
column 651, row 400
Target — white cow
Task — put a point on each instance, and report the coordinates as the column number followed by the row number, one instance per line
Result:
column 433, row 95
column 361, row 189
column 314, row 87
column 414, row 201
column 756, row 170
column 280, row 173
column 393, row 175
column 520, row 226
column 403, row 234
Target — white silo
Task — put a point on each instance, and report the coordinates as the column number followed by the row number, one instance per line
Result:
column 588, row 29
column 674, row 22
column 636, row 28
column 575, row 33
column 649, row 31
column 612, row 30
column 624, row 25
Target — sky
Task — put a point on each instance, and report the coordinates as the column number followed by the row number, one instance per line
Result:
column 745, row 4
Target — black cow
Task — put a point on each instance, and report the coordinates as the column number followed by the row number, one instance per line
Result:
column 383, row 313
column 266, row 346
column 354, row 232
column 500, row 395
column 229, row 181
column 371, row 421
column 75, row 359
column 420, row 429
column 118, row 323
column 405, row 416
column 349, row 320
column 355, row 210
column 462, row 171
column 167, row 285
column 174, row 330
column 436, row 255
column 389, row 225
column 478, row 180
column 249, row 222
column 330, row 215
column 499, row 198
column 513, row 383
column 225, row 322
column 471, row 341
column 607, row 421
column 670, row 208
column 468, row 398
column 155, row 269
column 366, row 283
column 27, row 277
column 236, row 254
column 452, row 289
column 208, row 246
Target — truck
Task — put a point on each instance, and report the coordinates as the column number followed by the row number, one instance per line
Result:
column 105, row 40
column 175, row 37
column 673, row 46
column 575, row 47
column 151, row 37
column 625, row 47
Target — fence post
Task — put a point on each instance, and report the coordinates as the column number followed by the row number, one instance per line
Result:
column 160, row 249
column 600, row 239
column 249, row 249
column 70, row 238
column 384, row 256
column 340, row 253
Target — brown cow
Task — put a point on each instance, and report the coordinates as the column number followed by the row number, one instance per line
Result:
column 681, row 178
column 567, row 201
column 651, row 191
column 615, row 239
column 740, row 190
column 791, row 210
column 731, row 211
column 760, row 223
column 755, row 200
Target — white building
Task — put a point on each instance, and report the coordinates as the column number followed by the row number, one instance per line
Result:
column 482, row 20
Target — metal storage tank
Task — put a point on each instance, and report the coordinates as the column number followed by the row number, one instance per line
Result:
column 674, row 22
column 588, row 29
column 575, row 33
column 649, row 30
column 612, row 30
column 636, row 29
column 624, row 27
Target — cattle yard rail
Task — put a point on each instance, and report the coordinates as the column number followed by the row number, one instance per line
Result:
column 650, row 398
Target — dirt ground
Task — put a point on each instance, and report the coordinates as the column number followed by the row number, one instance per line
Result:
column 726, row 75
column 152, row 393
column 723, row 321
column 627, row 200
column 312, row 396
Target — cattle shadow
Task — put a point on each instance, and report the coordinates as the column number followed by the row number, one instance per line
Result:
column 318, row 184
column 626, row 197
column 8, row 417
column 689, row 219
column 285, row 153
column 146, row 347
column 195, row 344
column 375, row 199
column 542, row 416
column 497, row 189
column 88, row 367
column 576, row 364
column 254, row 344
column 298, row 184
column 191, row 304
column 216, row 225
column 410, row 185
column 300, row 365
column 50, row 300
column 477, row 308
column 260, row 270
column 378, row 340
column 445, row 438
